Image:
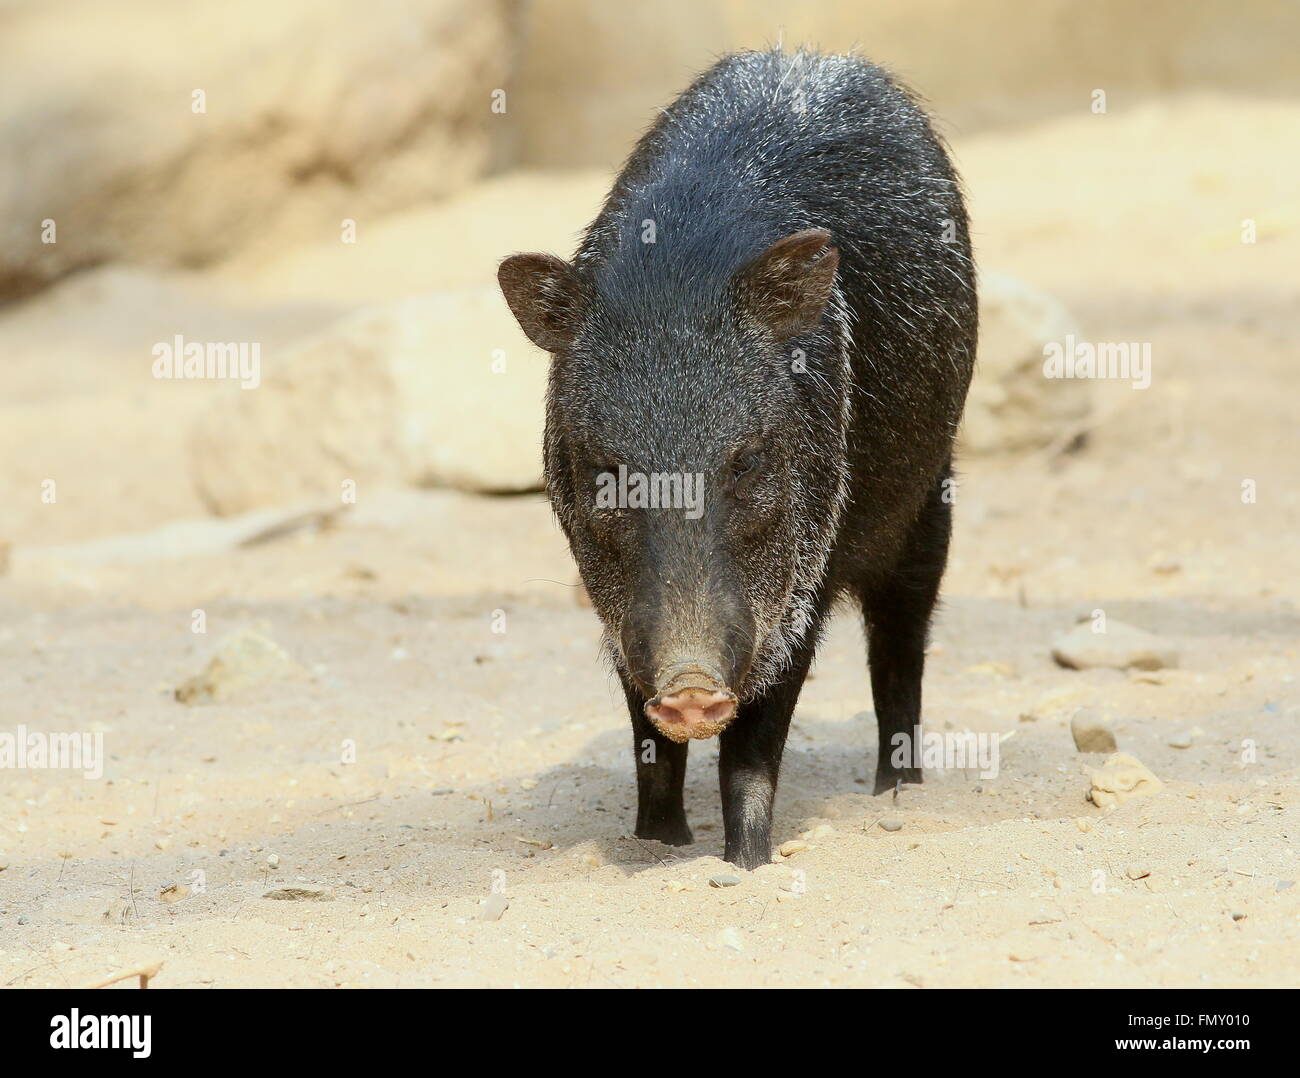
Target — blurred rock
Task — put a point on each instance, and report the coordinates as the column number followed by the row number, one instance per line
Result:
column 593, row 72
column 1011, row 404
column 243, row 658
column 1090, row 732
column 312, row 111
column 1120, row 647
column 441, row 390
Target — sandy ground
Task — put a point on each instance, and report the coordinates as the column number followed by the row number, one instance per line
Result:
column 470, row 778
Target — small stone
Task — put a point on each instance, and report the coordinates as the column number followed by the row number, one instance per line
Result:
column 1119, row 647
column 891, row 823
column 1238, row 916
column 173, row 892
column 1122, row 777
column 723, row 879
column 273, row 860
column 1090, row 733
column 794, row 846
column 301, row 894
column 1083, row 823
column 1180, row 741
column 1138, row 872
column 494, row 907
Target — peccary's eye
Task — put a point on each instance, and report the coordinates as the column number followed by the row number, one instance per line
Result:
column 745, row 468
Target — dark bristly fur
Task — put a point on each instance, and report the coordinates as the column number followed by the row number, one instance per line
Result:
column 801, row 332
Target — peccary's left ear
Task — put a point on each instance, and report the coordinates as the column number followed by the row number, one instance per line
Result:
column 544, row 295
column 787, row 286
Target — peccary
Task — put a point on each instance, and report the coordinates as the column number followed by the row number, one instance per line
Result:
column 777, row 298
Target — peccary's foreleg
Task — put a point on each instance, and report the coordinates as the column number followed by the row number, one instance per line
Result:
column 897, row 613
column 660, row 772
column 750, row 761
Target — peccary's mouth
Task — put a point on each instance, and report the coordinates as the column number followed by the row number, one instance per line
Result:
column 692, row 703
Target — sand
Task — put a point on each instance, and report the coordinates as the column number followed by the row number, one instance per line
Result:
column 451, row 805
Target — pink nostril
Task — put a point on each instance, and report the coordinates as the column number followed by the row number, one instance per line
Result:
column 693, row 707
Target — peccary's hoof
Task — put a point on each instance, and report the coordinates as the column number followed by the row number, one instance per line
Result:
column 747, row 859
column 889, row 780
column 675, row 834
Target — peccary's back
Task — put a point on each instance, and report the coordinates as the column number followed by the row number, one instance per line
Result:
column 767, row 143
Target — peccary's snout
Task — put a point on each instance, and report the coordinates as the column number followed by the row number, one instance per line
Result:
column 693, row 703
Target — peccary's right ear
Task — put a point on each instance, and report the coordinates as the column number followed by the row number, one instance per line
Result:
column 786, row 287
column 545, row 297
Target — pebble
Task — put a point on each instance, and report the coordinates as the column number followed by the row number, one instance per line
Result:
column 1090, row 732
column 794, row 846
column 891, row 823
column 1180, row 741
column 273, row 860
column 723, row 879
column 1138, row 872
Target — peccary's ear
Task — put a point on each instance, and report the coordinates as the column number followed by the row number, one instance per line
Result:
column 545, row 297
column 787, row 286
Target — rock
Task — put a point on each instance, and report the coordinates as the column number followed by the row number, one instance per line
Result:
column 1120, row 778
column 440, row 390
column 243, row 658
column 182, row 539
column 312, row 113
column 1090, row 733
column 891, row 823
column 104, row 907
column 1120, row 647
column 1180, row 741
column 1138, row 872
column 723, row 879
column 1011, row 405
column 794, row 846
column 173, row 892
column 493, row 909
column 301, row 894
column 273, row 860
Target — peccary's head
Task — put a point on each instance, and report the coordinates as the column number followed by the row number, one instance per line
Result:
column 695, row 454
